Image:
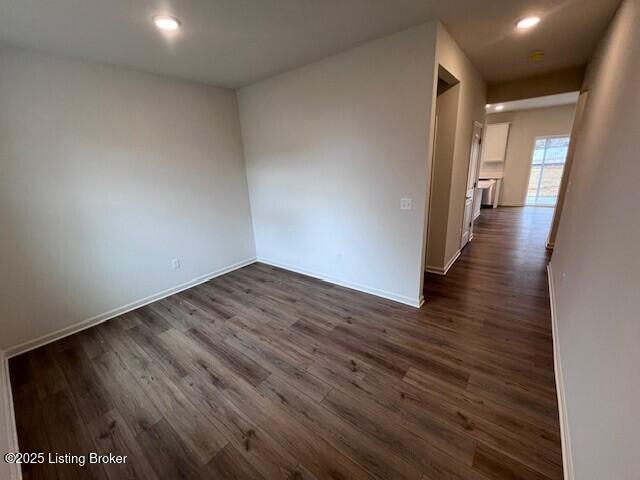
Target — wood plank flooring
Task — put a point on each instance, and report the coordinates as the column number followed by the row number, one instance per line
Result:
column 267, row 374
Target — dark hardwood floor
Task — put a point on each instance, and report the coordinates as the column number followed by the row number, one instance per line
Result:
column 267, row 374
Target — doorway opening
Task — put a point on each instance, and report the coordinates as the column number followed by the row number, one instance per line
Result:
column 547, row 166
column 443, row 238
column 527, row 165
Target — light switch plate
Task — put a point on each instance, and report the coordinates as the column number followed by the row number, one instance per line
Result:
column 406, row 204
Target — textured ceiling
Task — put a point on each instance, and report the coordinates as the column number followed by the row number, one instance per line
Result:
column 236, row 42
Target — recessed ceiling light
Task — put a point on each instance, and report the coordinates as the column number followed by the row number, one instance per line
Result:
column 166, row 22
column 499, row 107
column 528, row 22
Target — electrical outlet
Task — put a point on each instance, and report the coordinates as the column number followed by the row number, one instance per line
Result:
column 406, row 204
column 175, row 263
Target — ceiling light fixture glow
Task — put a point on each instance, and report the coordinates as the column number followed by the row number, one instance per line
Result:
column 527, row 22
column 166, row 22
column 499, row 107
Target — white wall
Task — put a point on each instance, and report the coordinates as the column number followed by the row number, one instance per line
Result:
column 596, row 271
column 331, row 148
column 107, row 174
column 526, row 125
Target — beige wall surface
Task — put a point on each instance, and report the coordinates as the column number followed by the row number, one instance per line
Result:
column 443, row 152
column 331, row 148
column 471, row 107
column 568, row 80
column 595, row 266
column 575, row 133
column 526, row 125
column 106, row 175
column 7, row 424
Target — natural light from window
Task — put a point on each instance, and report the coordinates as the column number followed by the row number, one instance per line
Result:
column 547, row 165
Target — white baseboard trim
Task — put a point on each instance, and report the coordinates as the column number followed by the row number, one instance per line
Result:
column 412, row 302
column 10, row 417
column 567, row 458
column 443, row 271
column 103, row 317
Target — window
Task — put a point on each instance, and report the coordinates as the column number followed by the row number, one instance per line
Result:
column 547, row 165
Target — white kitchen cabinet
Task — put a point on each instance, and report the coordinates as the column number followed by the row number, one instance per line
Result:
column 494, row 149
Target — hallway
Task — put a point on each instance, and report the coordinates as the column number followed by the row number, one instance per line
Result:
column 267, row 374
column 505, row 265
column 497, row 301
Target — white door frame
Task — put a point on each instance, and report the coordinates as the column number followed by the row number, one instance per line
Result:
column 473, row 173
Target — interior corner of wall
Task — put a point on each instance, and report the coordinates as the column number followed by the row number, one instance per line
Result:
column 10, row 442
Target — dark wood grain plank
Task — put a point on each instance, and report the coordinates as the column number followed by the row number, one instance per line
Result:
column 68, row 435
column 228, row 463
column 111, row 435
column 126, row 394
column 370, row 451
column 264, row 373
column 90, row 395
column 168, row 455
